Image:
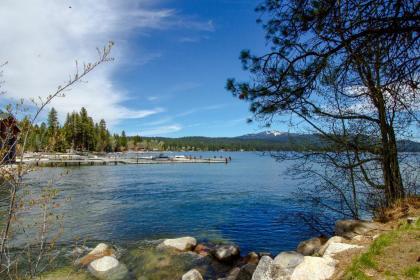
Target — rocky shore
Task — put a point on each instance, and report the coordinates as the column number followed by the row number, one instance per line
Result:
column 315, row 259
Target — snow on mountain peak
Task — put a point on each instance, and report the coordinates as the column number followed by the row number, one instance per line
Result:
column 274, row 133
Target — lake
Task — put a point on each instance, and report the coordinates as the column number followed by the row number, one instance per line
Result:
column 245, row 201
column 249, row 202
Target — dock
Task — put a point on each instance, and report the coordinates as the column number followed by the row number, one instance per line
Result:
column 85, row 161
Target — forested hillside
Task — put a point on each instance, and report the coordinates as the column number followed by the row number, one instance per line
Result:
column 80, row 133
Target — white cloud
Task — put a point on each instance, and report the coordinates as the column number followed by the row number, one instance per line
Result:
column 162, row 130
column 42, row 38
column 200, row 110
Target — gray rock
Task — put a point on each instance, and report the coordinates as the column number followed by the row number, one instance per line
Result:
column 351, row 228
column 262, row 254
column 314, row 268
column 193, row 274
column 233, row 274
column 335, row 248
column 411, row 220
column 108, row 267
column 359, row 238
column 267, row 270
column 182, row 244
column 288, row 260
column 263, row 270
column 246, row 272
column 334, row 239
column 252, row 258
column 311, row 246
column 99, row 249
column 226, row 253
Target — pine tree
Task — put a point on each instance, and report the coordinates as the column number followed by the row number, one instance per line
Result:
column 53, row 130
column 123, row 141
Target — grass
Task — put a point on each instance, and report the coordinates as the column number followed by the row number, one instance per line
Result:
column 413, row 272
column 371, row 259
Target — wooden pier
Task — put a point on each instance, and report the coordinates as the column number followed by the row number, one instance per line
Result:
column 118, row 161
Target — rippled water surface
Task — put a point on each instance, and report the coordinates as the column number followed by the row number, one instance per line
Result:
column 246, row 202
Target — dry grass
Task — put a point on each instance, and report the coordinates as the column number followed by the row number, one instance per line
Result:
column 401, row 209
column 393, row 255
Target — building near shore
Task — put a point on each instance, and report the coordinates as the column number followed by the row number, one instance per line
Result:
column 9, row 132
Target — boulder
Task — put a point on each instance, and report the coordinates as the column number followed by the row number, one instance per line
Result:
column 351, row 228
column 261, row 254
column 280, row 268
column 335, row 248
column 193, row 274
column 252, row 258
column 288, row 260
column 107, row 267
column 246, row 272
column 101, row 250
column 182, row 244
column 263, row 270
column 311, row 246
column 313, row 268
column 226, row 253
column 334, row 239
column 233, row 274
column 358, row 238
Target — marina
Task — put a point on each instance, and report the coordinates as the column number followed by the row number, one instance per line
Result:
column 55, row 160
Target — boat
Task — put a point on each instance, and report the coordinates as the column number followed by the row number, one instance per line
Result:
column 180, row 158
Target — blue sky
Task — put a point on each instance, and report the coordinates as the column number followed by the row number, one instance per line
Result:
column 172, row 60
column 188, row 69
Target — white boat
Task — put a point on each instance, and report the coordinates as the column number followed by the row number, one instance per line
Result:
column 180, row 158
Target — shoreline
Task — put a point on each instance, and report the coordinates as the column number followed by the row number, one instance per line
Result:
column 318, row 258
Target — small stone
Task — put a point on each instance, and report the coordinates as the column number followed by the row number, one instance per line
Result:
column 311, row 246
column 193, row 274
column 202, row 250
column 411, row 220
column 226, row 253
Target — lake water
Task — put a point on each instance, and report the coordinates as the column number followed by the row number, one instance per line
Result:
column 249, row 202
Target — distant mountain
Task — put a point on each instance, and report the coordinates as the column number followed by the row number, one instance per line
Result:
column 312, row 139
column 272, row 135
column 262, row 141
column 408, row 146
column 283, row 137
